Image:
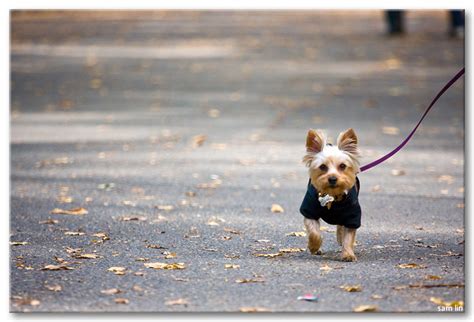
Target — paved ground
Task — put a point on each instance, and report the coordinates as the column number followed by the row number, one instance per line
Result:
column 195, row 124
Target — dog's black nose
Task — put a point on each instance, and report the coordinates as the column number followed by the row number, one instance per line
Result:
column 332, row 180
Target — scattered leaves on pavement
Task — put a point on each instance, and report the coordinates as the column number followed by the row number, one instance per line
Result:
column 18, row 243
column 269, row 255
column 74, row 233
column 397, row 172
column 249, row 280
column 411, row 265
column 291, row 250
column 54, row 288
column 231, row 266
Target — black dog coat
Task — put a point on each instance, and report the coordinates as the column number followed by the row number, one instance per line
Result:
column 346, row 212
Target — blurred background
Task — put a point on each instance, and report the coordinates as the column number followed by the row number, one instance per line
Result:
column 196, row 121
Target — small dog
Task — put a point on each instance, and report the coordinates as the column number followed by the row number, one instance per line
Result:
column 333, row 190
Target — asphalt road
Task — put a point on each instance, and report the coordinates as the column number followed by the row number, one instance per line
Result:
column 178, row 131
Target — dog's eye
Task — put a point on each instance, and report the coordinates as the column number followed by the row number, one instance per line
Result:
column 342, row 166
column 323, row 167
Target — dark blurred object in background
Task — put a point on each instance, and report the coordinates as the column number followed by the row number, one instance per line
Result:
column 396, row 26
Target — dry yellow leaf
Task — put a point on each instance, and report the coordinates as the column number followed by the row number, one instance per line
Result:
column 410, row 265
column 365, row 308
column 87, row 256
column 132, row 218
column 73, row 211
column 54, row 288
column 441, row 302
column 253, row 309
column 169, row 255
column 74, row 233
column 57, row 268
column 198, row 140
column 390, row 130
column 117, row 270
column 351, row 288
column 158, row 265
column 121, row 300
column 165, row 207
column 297, row 234
column 249, row 280
column 433, row 277
column 111, row 291
column 269, row 255
column 291, row 250
column 276, row 208
column 17, row 243
column 398, row 172
column 177, row 302
column 231, row 266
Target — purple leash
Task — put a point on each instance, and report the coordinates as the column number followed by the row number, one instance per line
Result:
column 398, row 148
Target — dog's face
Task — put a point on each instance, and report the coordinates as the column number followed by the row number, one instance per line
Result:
column 332, row 169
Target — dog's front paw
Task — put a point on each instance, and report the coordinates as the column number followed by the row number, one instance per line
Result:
column 314, row 244
column 348, row 257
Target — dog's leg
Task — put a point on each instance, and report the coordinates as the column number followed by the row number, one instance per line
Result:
column 340, row 234
column 348, row 245
column 314, row 236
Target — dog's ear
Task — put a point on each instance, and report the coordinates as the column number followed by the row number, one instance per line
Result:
column 347, row 142
column 315, row 141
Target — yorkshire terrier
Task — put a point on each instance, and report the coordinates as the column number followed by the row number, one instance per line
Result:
column 333, row 190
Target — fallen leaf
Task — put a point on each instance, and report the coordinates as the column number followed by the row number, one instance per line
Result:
column 73, row 211
column 446, row 179
column 70, row 250
column 398, row 172
column 433, row 277
column 351, row 288
column 57, row 268
column 291, row 250
column 376, row 297
column 169, row 255
column 18, row 243
column 117, row 270
column 132, row 218
column 214, row 113
column 177, row 302
column 411, row 265
column 155, row 246
column 20, row 300
column 165, row 207
column 276, row 208
column 297, row 234
column 49, row 221
column 64, row 199
column 54, row 288
column 232, row 231
column 391, row 130
column 365, row 308
column 249, row 280
column 121, row 300
column 269, row 255
column 231, row 266
column 137, row 288
column 198, row 140
column 253, row 309
column 215, row 221
column 111, row 291
column 87, row 256
column 142, row 259
column 441, row 302
column 158, row 265
column 101, row 235
column 74, row 233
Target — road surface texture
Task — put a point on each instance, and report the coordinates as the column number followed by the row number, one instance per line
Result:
column 177, row 131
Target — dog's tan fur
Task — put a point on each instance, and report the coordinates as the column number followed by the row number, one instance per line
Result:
column 324, row 165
